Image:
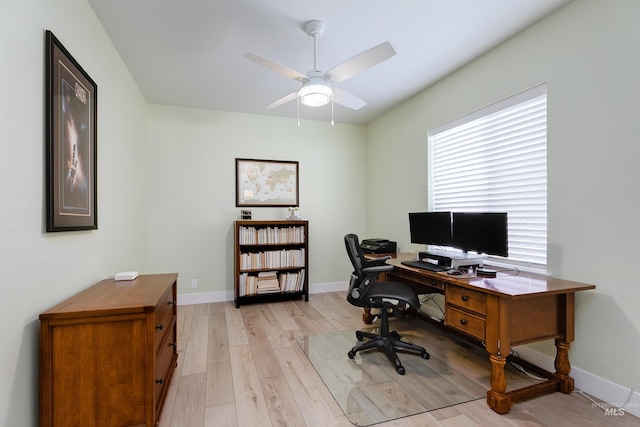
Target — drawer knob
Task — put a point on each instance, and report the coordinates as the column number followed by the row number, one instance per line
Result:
column 160, row 381
column 464, row 297
column 463, row 321
column 172, row 302
column 172, row 344
column 160, row 327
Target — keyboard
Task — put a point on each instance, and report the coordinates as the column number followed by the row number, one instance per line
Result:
column 425, row 265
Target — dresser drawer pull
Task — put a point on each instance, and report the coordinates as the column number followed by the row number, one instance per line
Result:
column 172, row 344
column 160, row 327
column 172, row 302
column 464, row 297
column 463, row 321
column 160, row 381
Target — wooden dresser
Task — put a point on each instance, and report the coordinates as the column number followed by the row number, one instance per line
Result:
column 107, row 354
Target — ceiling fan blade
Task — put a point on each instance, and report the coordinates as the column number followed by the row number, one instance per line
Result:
column 274, row 66
column 361, row 62
column 347, row 99
column 282, row 101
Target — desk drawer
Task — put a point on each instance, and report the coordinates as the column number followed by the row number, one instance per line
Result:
column 435, row 283
column 466, row 298
column 420, row 281
column 464, row 322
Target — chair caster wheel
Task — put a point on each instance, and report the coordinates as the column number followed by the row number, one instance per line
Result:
column 425, row 355
column 400, row 370
column 351, row 354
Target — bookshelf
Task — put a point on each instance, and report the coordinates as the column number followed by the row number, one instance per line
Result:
column 271, row 260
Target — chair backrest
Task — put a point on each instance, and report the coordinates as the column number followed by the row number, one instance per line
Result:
column 363, row 273
column 357, row 287
column 356, row 256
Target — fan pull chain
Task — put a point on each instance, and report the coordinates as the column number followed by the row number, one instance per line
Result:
column 298, row 98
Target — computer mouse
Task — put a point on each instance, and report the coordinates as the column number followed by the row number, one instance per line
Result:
column 454, row 272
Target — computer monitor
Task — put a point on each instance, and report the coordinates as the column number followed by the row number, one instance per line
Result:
column 430, row 228
column 481, row 232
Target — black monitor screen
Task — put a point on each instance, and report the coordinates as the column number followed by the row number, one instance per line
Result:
column 482, row 232
column 430, row 228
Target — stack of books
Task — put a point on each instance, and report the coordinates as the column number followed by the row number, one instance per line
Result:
column 268, row 282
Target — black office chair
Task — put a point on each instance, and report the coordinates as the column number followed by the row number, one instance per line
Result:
column 365, row 291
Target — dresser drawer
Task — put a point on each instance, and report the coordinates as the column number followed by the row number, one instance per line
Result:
column 163, row 364
column 466, row 298
column 163, row 315
column 464, row 322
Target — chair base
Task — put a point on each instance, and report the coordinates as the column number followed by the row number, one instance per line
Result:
column 389, row 342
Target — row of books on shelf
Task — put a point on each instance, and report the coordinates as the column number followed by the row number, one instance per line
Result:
column 286, row 258
column 268, row 282
column 270, row 235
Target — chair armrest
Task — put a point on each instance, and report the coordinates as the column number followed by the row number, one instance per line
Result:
column 377, row 268
column 378, row 261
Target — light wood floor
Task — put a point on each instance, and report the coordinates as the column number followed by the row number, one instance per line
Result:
column 243, row 367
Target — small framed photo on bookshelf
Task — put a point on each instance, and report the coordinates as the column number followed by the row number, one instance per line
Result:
column 266, row 183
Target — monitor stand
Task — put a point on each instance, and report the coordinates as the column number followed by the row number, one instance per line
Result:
column 451, row 259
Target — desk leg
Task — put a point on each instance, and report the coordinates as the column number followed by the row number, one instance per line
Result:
column 496, row 397
column 367, row 317
column 563, row 366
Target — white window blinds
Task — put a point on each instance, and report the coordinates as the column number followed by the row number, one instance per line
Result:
column 495, row 160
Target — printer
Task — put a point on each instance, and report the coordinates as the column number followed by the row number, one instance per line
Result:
column 378, row 246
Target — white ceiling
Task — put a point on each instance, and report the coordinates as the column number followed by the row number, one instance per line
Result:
column 189, row 52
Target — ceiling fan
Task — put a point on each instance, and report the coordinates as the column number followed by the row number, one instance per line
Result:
column 317, row 87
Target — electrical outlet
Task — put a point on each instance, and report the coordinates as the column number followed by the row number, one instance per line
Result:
column 194, row 283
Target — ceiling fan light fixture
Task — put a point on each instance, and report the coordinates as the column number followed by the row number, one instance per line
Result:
column 315, row 93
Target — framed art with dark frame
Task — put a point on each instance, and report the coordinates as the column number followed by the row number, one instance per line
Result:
column 266, row 183
column 71, row 104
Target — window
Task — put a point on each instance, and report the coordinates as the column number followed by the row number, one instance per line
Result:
column 495, row 159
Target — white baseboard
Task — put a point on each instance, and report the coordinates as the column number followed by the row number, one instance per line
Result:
column 603, row 389
column 600, row 388
column 319, row 288
column 222, row 296
column 205, row 297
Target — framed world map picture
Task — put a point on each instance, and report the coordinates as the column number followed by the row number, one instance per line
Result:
column 266, row 183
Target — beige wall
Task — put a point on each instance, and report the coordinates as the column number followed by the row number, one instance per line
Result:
column 588, row 55
column 39, row 269
column 192, row 196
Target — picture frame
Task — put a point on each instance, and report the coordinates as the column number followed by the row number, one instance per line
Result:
column 71, row 142
column 266, row 183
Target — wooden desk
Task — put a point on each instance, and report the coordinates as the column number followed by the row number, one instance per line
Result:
column 503, row 312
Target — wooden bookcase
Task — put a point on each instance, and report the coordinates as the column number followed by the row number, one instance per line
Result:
column 107, row 354
column 271, row 260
